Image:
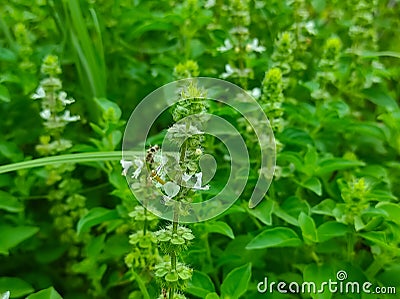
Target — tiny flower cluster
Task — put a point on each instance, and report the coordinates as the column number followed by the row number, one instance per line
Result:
column 239, row 46
column 173, row 277
column 174, row 241
column 272, row 98
column 54, row 102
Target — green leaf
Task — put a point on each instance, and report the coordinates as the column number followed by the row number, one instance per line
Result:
column 296, row 136
column 7, row 55
column 331, row 229
column 316, row 275
column 212, row 296
column 4, row 94
column 275, row 237
column 378, row 238
column 200, row 285
column 313, row 184
column 95, row 246
column 16, row 286
column 325, row 207
column 291, row 208
column 94, row 217
column 236, row 282
column 105, row 105
column 219, row 227
column 308, row 228
column 11, row 236
column 392, row 209
column 263, row 211
column 49, row 293
column 311, row 156
column 10, row 203
column 379, row 96
column 368, row 53
column 329, row 165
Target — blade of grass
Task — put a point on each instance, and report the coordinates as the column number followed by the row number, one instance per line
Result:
column 89, row 52
column 100, row 43
column 7, row 34
column 68, row 158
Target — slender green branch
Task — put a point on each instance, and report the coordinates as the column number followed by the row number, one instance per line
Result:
column 68, row 158
column 373, row 269
column 141, row 285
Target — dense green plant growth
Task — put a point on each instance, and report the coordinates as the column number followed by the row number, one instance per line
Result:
column 325, row 73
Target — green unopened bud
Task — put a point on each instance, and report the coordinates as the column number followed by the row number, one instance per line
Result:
column 50, row 66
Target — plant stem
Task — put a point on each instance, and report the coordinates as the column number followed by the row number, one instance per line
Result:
column 141, row 285
column 68, row 158
column 373, row 269
column 145, row 222
column 350, row 245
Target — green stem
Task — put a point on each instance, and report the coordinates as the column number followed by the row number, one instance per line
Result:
column 171, row 293
column 68, row 158
column 173, row 253
column 373, row 269
column 350, row 245
column 145, row 222
column 141, row 285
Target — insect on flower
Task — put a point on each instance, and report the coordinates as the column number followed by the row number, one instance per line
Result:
column 151, row 152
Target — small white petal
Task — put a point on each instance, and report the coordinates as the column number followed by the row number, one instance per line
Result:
column 6, row 295
column 310, row 27
column 228, row 71
column 40, row 93
column 254, row 46
column 62, row 97
column 209, row 4
column 186, row 177
column 226, row 47
column 197, row 185
column 69, row 118
column 45, row 114
column 125, row 165
column 139, row 164
column 256, row 93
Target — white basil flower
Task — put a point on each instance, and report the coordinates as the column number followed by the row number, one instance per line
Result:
column 209, row 4
column 226, row 47
column 255, row 93
column 139, row 164
column 69, row 118
column 186, row 177
column 228, row 71
column 45, row 114
column 255, row 47
column 39, row 94
column 62, row 97
column 310, row 27
column 197, row 185
column 125, row 165
column 6, row 295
